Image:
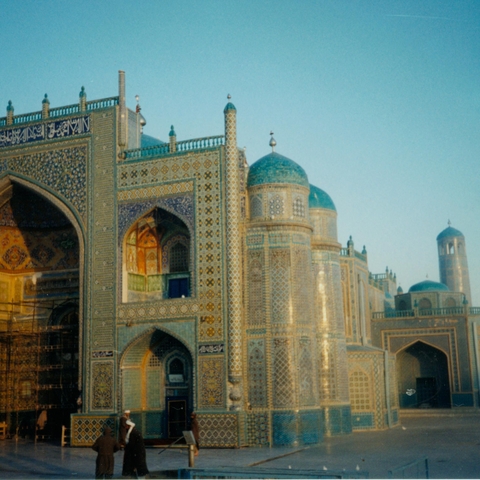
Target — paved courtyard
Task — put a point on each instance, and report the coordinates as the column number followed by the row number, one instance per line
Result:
column 451, row 442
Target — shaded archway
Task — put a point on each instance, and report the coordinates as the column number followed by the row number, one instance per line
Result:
column 423, row 378
column 157, row 384
column 39, row 344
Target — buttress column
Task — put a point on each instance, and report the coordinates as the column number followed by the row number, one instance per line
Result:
column 234, row 263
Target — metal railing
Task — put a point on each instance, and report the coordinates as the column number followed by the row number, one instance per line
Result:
column 61, row 111
column 419, row 468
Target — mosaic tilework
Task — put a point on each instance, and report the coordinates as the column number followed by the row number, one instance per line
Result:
column 257, row 379
column 62, row 170
column 170, row 189
column 306, row 384
column 256, row 281
column 218, row 430
column 211, row 381
column 283, row 383
column 102, row 385
column 258, row 429
column 100, row 296
column 128, row 213
column 280, row 285
column 85, row 429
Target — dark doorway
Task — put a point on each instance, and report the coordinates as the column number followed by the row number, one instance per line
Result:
column 427, row 392
column 176, row 417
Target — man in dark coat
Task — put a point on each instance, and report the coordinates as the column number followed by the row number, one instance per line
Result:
column 105, row 446
column 135, row 457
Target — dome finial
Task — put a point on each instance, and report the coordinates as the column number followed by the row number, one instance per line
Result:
column 229, row 97
column 272, row 143
column 137, row 98
column 449, row 222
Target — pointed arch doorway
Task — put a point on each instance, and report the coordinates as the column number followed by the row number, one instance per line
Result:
column 423, row 377
column 157, row 385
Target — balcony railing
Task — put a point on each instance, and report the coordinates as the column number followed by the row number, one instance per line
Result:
column 427, row 312
column 61, row 111
column 183, row 146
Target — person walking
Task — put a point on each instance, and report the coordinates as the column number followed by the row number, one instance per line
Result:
column 195, row 430
column 105, row 446
column 135, row 457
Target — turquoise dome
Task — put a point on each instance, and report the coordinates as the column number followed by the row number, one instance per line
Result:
column 320, row 199
column 275, row 168
column 449, row 232
column 429, row 286
column 148, row 141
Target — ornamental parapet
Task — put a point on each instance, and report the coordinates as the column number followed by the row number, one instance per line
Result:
column 60, row 112
column 183, row 146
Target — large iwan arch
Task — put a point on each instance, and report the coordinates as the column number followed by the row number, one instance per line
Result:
column 423, row 377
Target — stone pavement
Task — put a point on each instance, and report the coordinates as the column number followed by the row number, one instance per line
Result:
column 451, row 442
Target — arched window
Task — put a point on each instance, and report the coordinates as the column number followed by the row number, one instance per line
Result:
column 425, row 303
column 450, row 302
column 256, row 207
column 451, row 249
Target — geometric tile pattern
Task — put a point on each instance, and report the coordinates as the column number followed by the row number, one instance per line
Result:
column 86, row 429
column 218, row 430
column 280, row 289
column 257, row 394
column 258, row 428
column 283, row 383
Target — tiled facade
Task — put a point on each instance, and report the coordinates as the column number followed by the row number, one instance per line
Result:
column 203, row 284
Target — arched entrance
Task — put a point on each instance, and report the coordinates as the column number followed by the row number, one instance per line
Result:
column 423, row 380
column 157, row 386
column 39, row 311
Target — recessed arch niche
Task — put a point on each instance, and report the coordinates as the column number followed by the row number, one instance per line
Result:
column 157, row 259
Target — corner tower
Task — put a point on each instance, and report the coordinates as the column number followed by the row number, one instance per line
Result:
column 452, row 259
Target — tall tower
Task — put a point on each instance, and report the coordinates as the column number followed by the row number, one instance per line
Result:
column 452, row 259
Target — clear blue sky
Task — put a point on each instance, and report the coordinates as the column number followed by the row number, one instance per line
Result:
column 379, row 101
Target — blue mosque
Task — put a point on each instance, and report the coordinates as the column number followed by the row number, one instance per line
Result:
column 166, row 277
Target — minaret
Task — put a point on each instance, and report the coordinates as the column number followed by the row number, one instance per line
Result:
column 452, row 259
column 234, row 258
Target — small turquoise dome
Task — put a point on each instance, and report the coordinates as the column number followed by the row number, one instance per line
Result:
column 229, row 106
column 449, row 232
column 429, row 286
column 275, row 168
column 148, row 141
column 320, row 199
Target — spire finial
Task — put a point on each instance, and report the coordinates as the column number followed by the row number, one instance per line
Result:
column 449, row 222
column 272, row 143
column 138, row 108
